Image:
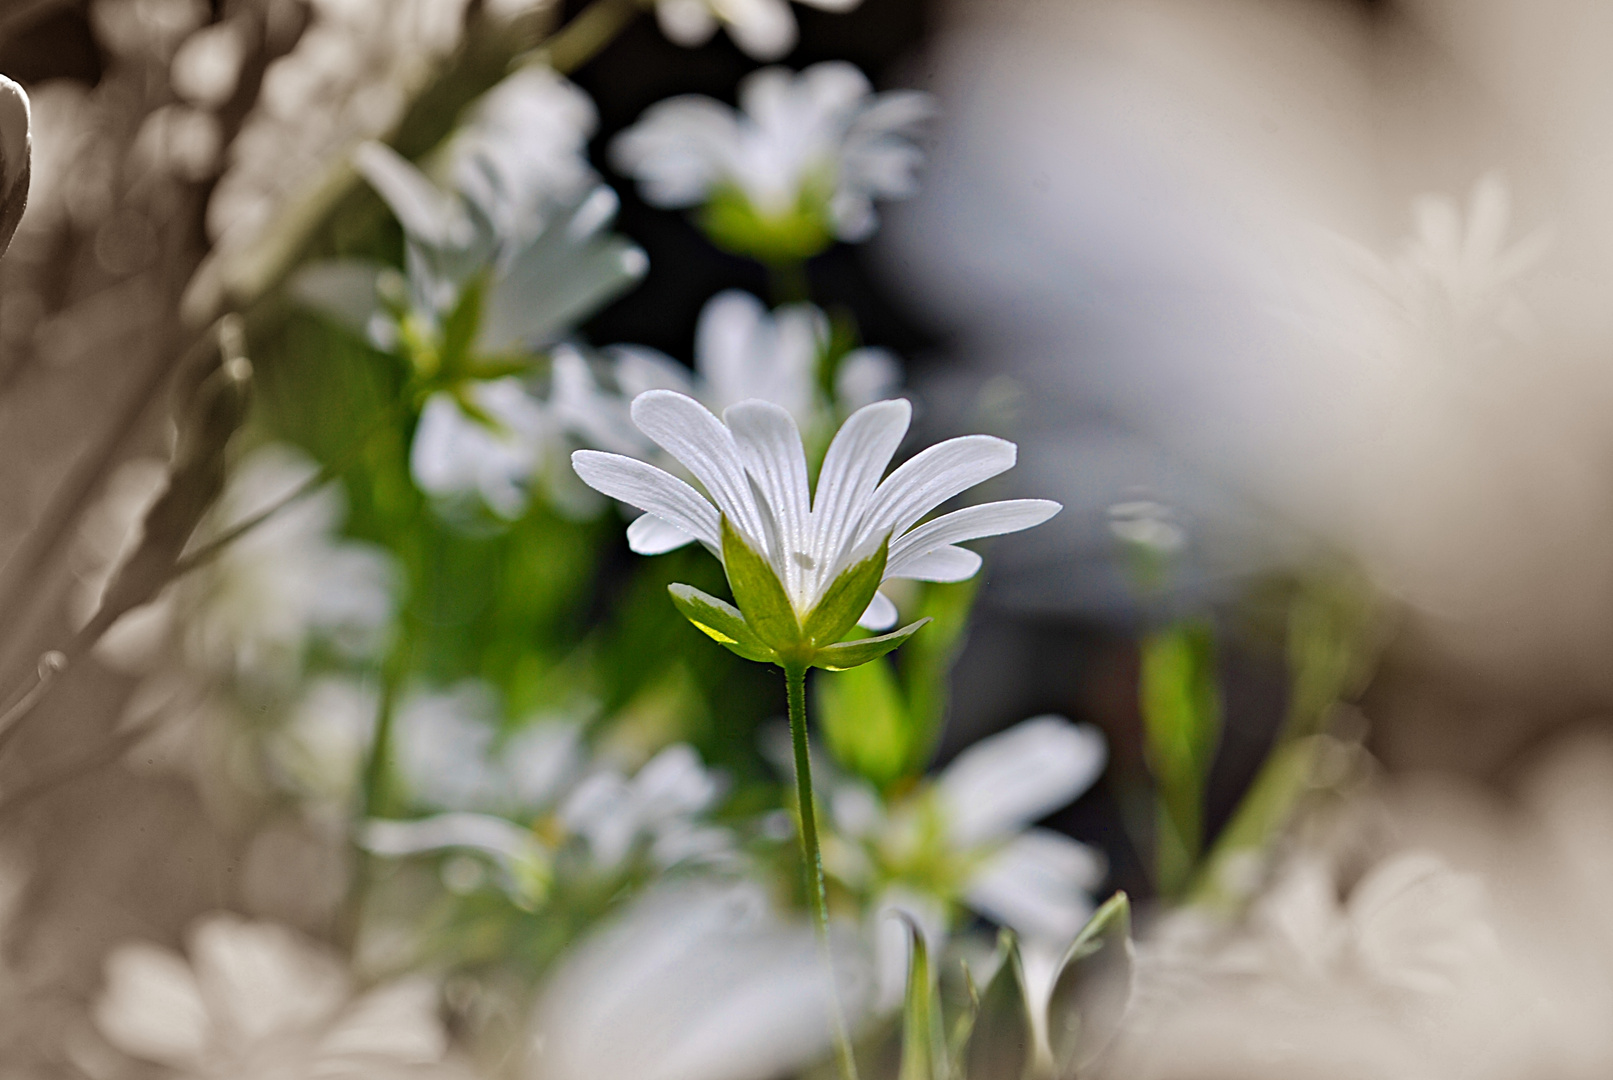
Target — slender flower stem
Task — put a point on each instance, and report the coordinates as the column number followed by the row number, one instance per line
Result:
column 812, row 860
column 581, row 39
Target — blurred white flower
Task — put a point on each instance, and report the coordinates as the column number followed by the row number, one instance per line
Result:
column 753, row 464
column 765, row 29
column 799, row 165
column 255, row 1001
column 966, row 838
column 495, row 456
column 322, row 746
column 695, row 982
column 741, row 351
column 207, row 66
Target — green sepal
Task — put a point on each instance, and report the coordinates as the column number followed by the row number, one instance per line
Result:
column 850, row 654
column 459, row 329
column 759, row 594
column 721, row 622
column 923, row 1042
column 1091, row 989
column 1002, row 1040
column 847, row 597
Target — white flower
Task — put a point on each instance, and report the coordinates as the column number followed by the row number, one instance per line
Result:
column 322, row 746
column 741, row 351
column 763, row 28
column 753, row 466
column 257, row 1002
column 497, row 457
column 807, row 154
column 965, row 837
column 695, row 982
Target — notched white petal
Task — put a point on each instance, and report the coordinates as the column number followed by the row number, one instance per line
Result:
column 650, row 535
column 880, row 616
column 650, row 489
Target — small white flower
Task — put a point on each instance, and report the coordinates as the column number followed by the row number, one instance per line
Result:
column 753, row 466
column 765, row 29
column 257, row 1002
column 806, row 155
column 454, row 453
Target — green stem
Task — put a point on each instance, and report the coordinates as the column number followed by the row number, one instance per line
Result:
column 812, row 859
column 789, row 281
column 581, row 39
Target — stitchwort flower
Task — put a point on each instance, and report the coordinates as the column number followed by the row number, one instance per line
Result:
column 805, row 566
column 798, row 166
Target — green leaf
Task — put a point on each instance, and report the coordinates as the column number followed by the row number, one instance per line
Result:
column 1091, row 989
column 721, row 622
column 1181, row 711
column 850, row 654
column 759, row 594
column 847, row 597
column 864, row 721
column 1003, row 1039
column 923, row 1042
column 926, row 664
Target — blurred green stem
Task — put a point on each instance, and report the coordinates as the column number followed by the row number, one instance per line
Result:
column 789, row 281
column 812, row 859
column 581, row 39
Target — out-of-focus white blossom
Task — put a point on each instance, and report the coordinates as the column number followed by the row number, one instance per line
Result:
column 965, row 838
column 497, row 455
column 741, row 352
column 765, row 29
column 695, row 982
column 207, row 66
column 798, row 165
column 255, row 1001
column 350, row 77
column 321, row 747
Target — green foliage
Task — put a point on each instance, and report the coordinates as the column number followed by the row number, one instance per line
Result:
column 850, row 654
column 721, row 622
column 1001, row 1042
column 1181, row 712
column 1091, row 988
column 924, row 1048
column 864, row 719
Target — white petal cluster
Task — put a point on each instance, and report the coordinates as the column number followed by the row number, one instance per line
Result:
column 819, row 141
column 350, row 77
column 449, row 759
column 974, row 822
column 763, row 28
column 255, row 1001
column 752, row 465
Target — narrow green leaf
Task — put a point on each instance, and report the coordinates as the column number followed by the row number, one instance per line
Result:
column 849, row 654
column 923, row 1043
column 847, row 597
column 1003, row 1040
column 1091, row 989
column 1181, row 709
column 864, row 720
column 759, row 594
column 926, row 663
column 721, row 622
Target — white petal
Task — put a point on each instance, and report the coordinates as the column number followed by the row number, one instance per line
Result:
column 261, row 980
column 504, row 840
column 881, row 614
column 685, row 22
column 650, row 489
column 1016, row 776
column 650, row 535
column 770, row 447
column 395, row 1023
column 425, row 212
column 851, row 470
column 1038, row 884
column 764, row 29
column 970, row 523
column 152, row 1007
column 343, row 289
column 678, row 149
column 727, row 342
column 688, row 431
column 933, row 476
column 865, row 376
column 942, row 564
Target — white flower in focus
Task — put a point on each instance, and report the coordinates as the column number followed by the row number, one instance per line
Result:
column 966, row 837
column 256, row 1001
column 753, row 465
column 765, row 29
column 695, row 982
column 256, row 606
column 799, row 165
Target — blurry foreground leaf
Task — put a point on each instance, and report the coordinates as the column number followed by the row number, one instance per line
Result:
column 1002, row 1038
column 865, row 722
column 1091, row 989
column 1181, row 711
column 923, row 1042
